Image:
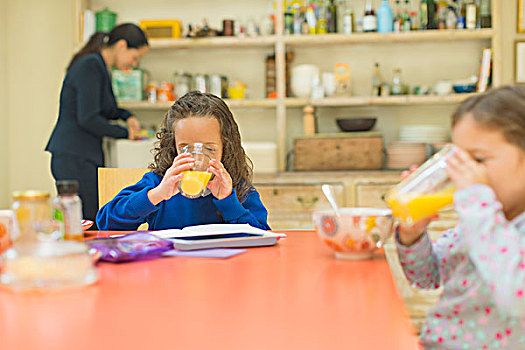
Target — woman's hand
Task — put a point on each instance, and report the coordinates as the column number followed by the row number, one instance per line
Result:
column 465, row 171
column 168, row 187
column 221, row 185
column 133, row 127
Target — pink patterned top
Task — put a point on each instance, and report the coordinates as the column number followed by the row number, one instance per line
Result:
column 481, row 264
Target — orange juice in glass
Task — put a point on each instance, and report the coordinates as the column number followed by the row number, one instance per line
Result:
column 195, row 180
column 424, row 192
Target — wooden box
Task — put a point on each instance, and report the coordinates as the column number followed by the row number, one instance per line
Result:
column 342, row 151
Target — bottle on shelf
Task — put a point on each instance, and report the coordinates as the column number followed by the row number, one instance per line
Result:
column 413, row 20
column 298, row 18
column 348, row 17
column 385, row 18
column 478, row 14
column 67, row 210
column 377, row 81
column 332, row 17
column 369, row 19
column 485, row 13
column 460, row 14
column 398, row 18
column 406, row 17
column 288, row 21
column 451, row 19
column 441, row 14
column 428, row 14
column 311, row 19
column 322, row 19
column 471, row 14
column 397, row 84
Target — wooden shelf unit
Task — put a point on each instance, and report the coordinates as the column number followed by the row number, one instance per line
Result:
column 280, row 43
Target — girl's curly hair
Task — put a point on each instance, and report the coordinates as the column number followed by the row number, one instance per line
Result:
column 197, row 105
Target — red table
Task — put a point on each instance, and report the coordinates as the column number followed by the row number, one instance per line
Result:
column 291, row 296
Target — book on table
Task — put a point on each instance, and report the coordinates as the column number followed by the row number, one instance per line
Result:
column 219, row 236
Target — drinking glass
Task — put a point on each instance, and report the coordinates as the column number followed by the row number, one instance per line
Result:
column 195, row 180
column 424, row 192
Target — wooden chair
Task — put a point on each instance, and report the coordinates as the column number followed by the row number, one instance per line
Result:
column 112, row 180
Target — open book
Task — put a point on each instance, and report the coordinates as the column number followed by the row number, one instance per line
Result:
column 219, row 236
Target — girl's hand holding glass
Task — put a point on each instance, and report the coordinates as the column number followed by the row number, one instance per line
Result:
column 221, row 185
column 168, row 187
column 410, row 234
column 465, row 171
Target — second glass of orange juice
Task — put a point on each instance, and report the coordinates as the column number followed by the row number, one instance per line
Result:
column 195, row 180
column 424, row 192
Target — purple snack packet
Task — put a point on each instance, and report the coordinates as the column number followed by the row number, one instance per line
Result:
column 131, row 247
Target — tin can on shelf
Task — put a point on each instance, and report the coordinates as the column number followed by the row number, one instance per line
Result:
column 182, row 83
column 151, row 92
column 216, row 85
column 201, row 83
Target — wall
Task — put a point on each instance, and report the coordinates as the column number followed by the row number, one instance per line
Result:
column 509, row 36
column 36, row 59
column 3, row 109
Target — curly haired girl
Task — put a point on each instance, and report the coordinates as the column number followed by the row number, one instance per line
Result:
column 155, row 199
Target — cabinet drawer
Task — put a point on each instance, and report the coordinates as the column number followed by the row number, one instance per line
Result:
column 371, row 194
column 290, row 206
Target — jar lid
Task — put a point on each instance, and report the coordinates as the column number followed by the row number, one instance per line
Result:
column 31, row 194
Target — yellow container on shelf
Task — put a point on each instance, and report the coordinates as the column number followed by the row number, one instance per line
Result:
column 236, row 90
column 162, row 28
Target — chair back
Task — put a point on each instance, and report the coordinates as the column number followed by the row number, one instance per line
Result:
column 112, row 180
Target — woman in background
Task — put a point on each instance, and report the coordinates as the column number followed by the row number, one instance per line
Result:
column 87, row 104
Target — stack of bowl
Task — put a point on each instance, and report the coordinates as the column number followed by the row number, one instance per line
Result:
column 423, row 133
column 404, row 154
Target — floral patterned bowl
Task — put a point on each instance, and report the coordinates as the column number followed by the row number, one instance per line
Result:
column 356, row 233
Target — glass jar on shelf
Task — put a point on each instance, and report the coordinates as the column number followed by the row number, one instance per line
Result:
column 396, row 87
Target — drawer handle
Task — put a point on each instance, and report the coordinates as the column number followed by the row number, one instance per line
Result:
column 307, row 205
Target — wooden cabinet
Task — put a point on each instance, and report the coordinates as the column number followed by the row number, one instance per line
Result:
column 290, row 206
column 292, row 197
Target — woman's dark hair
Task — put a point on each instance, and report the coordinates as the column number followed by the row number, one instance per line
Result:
column 131, row 33
column 501, row 108
column 199, row 105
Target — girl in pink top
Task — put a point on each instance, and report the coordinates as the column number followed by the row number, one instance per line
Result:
column 481, row 261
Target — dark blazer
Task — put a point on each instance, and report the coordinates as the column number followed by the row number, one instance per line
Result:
column 87, row 104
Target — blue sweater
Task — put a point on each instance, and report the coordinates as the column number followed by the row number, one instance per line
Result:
column 131, row 207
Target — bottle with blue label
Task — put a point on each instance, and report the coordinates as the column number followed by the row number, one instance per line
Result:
column 385, row 18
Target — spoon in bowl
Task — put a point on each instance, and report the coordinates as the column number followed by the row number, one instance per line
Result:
column 327, row 190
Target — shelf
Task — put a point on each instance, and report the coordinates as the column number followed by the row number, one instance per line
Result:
column 405, row 100
column 322, row 39
column 210, row 42
column 144, row 105
column 382, row 38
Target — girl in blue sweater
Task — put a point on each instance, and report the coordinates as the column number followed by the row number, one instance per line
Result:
column 155, row 199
